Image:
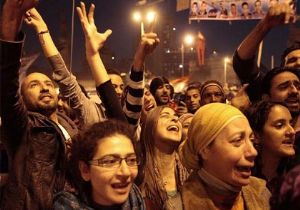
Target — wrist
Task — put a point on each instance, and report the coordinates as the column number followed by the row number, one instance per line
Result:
column 42, row 30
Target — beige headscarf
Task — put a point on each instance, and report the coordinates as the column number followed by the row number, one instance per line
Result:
column 207, row 123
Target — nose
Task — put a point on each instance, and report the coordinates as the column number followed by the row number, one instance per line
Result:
column 294, row 88
column 44, row 87
column 290, row 132
column 124, row 169
column 250, row 151
column 298, row 62
column 213, row 98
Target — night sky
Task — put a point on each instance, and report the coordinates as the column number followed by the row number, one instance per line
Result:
column 221, row 36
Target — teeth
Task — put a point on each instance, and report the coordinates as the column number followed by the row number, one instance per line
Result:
column 173, row 128
column 120, row 185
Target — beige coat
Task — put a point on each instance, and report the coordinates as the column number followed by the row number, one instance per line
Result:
column 255, row 195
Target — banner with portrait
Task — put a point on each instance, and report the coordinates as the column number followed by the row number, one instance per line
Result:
column 232, row 9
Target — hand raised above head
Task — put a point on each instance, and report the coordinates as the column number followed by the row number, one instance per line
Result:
column 94, row 40
column 34, row 19
column 21, row 5
column 281, row 13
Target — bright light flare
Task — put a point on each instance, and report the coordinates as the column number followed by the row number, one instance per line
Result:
column 151, row 15
column 189, row 39
column 137, row 16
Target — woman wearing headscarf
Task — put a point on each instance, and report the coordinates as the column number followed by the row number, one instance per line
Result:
column 219, row 149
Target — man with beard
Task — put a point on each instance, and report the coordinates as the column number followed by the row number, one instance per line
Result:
column 33, row 131
column 162, row 90
column 283, row 85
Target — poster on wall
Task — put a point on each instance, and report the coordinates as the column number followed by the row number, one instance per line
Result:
column 232, row 9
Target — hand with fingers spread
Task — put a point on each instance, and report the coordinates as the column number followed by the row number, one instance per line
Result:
column 34, row 19
column 241, row 99
column 94, row 40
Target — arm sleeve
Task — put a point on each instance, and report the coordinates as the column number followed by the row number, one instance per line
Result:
column 86, row 109
column 248, row 72
column 134, row 97
column 112, row 105
column 12, row 110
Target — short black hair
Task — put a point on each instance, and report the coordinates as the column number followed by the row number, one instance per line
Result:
column 113, row 71
column 294, row 46
column 267, row 80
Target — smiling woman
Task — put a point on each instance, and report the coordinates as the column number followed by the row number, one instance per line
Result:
column 102, row 168
column 219, row 150
column 163, row 172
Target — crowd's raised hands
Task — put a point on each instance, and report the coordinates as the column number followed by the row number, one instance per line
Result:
column 94, row 40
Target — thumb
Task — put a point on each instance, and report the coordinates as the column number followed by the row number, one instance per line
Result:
column 107, row 33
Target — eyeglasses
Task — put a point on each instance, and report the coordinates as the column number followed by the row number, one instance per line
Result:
column 115, row 162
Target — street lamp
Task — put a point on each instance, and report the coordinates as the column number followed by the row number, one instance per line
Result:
column 138, row 17
column 188, row 40
column 226, row 60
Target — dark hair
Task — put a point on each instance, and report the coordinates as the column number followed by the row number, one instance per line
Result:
column 244, row 3
column 158, row 81
column 294, row 46
column 267, row 80
column 194, row 85
column 84, row 147
column 259, row 112
column 113, row 71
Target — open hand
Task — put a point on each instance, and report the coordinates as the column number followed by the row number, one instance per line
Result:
column 94, row 40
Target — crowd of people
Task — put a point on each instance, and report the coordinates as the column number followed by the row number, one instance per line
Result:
column 140, row 148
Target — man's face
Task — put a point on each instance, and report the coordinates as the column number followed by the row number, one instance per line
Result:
column 163, row 94
column 285, row 87
column 193, row 100
column 39, row 94
column 292, row 60
column 212, row 94
column 118, row 84
column 257, row 6
column 245, row 9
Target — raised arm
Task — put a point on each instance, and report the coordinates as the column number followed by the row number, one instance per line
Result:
column 244, row 63
column 134, row 96
column 94, row 41
column 86, row 110
column 279, row 14
column 12, row 110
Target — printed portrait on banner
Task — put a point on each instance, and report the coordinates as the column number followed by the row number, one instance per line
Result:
column 232, row 9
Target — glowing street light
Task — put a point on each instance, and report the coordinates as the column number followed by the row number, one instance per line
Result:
column 188, row 40
column 139, row 17
column 150, row 16
column 226, row 60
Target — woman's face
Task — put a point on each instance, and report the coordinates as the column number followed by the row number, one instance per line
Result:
column 231, row 155
column 278, row 134
column 111, row 184
column 168, row 129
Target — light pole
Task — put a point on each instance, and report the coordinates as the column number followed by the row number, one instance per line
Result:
column 188, row 40
column 226, row 60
